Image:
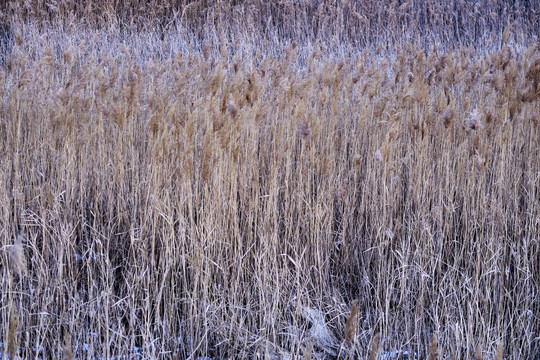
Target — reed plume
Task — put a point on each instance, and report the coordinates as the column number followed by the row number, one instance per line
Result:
column 500, row 350
column 434, row 349
column 374, row 350
column 17, row 259
column 12, row 344
column 352, row 323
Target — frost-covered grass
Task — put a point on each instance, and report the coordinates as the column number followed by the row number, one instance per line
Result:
column 229, row 196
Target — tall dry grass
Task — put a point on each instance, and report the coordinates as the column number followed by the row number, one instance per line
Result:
column 232, row 197
column 361, row 22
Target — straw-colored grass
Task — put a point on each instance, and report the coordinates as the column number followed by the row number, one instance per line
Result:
column 180, row 194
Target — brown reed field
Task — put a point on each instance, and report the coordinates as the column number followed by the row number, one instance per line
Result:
column 281, row 180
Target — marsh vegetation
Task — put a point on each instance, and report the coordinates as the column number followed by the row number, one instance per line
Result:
column 326, row 179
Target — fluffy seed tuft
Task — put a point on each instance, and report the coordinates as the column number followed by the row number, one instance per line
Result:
column 17, row 260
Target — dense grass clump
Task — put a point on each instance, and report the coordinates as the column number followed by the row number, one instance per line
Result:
column 175, row 193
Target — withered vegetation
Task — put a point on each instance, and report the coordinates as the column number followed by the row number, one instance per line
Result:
column 181, row 183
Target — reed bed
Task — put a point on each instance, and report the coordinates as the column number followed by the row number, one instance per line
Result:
column 359, row 22
column 165, row 196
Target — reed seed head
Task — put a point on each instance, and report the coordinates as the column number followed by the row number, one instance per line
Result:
column 17, row 259
column 352, row 323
